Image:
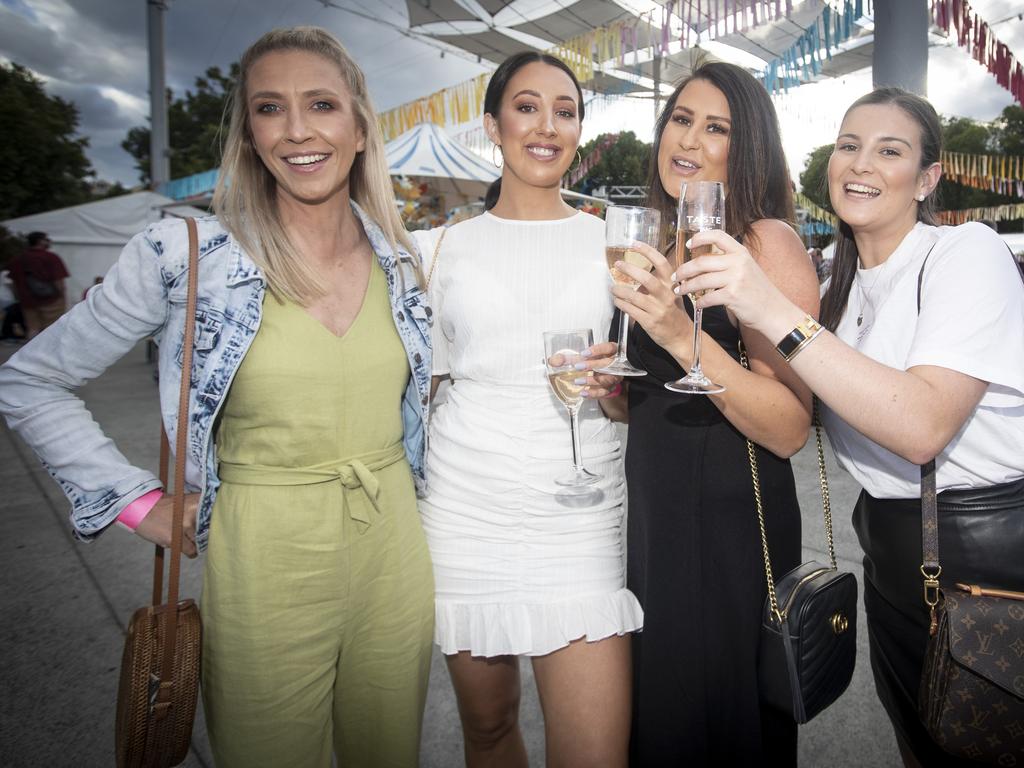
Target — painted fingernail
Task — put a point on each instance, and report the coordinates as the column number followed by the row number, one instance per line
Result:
column 580, row 381
column 673, row 278
column 580, row 366
column 586, row 353
column 585, row 393
column 677, row 291
column 689, row 243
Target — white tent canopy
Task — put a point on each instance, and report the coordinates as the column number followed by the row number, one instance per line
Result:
column 89, row 237
column 426, row 151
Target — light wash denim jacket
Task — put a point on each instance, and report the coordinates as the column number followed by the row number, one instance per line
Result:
column 144, row 295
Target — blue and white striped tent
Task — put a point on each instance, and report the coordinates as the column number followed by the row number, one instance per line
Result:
column 426, row 151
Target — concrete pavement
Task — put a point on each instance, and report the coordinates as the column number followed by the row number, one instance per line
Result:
column 64, row 606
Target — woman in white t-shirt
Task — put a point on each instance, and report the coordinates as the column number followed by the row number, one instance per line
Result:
column 902, row 385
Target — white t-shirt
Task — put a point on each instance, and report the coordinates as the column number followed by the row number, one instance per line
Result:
column 971, row 321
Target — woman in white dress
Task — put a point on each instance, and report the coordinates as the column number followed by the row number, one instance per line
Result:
column 521, row 566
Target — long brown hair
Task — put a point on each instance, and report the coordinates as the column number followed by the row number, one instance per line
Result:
column 846, row 257
column 759, row 185
column 245, row 198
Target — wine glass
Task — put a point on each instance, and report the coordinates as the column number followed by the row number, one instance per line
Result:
column 701, row 207
column 562, row 350
column 625, row 225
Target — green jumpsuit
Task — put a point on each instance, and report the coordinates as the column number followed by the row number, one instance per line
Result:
column 318, row 603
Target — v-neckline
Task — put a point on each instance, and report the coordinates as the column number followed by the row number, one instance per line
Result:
column 374, row 265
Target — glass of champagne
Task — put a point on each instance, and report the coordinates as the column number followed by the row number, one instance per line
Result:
column 701, row 207
column 625, row 225
column 562, row 350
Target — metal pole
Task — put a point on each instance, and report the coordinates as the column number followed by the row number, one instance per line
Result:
column 901, row 45
column 159, row 161
column 657, row 84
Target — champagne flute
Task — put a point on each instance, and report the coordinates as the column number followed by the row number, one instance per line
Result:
column 701, row 207
column 562, row 350
column 625, row 225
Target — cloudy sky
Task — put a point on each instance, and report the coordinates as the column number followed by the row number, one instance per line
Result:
column 93, row 52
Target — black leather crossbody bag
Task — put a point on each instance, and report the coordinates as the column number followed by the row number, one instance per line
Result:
column 808, row 645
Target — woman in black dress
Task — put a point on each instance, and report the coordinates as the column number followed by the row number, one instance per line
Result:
column 694, row 548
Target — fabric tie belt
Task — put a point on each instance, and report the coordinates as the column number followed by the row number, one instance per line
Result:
column 354, row 473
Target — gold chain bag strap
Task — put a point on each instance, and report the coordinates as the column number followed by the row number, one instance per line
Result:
column 971, row 698
column 156, row 698
column 437, row 252
column 808, row 644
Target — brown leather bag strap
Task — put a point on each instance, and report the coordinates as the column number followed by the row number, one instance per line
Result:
column 181, row 448
column 930, row 568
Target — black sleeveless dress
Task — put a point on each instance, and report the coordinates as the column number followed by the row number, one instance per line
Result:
column 695, row 564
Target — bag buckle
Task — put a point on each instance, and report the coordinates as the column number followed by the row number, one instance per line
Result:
column 931, row 586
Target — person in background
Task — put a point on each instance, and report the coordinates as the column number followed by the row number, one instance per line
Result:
column 306, row 422
column 38, row 276
column 522, row 568
column 919, row 356
column 695, row 555
column 13, row 330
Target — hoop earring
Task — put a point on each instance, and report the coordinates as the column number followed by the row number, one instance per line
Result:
column 579, row 161
column 493, row 159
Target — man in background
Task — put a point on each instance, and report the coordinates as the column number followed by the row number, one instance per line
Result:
column 38, row 277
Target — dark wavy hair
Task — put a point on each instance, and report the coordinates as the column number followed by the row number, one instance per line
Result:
column 496, row 91
column 759, row 183
column 845, row 257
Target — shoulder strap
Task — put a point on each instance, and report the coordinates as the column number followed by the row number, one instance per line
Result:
column 181, row 449
column 437, row 252
column 930, row 568
column 826, row 504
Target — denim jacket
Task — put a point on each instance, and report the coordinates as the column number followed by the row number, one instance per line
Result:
column 144, row 295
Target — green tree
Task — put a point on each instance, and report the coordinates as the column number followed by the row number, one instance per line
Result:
column 193, row 126
column 625, row 162
column 1009, row 130
column 961, row 134
column 814, row 177
column 42, row 163
column 10, row 246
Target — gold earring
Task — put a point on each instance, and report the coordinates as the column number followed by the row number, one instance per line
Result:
column 494, row 159
column 579, row 161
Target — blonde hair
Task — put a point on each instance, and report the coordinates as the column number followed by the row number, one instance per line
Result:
column 245, row 198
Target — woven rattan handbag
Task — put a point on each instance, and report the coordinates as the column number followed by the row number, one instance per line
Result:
column 156, row 698
column 808, row 644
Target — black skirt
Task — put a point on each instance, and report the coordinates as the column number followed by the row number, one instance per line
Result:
column 981, row 541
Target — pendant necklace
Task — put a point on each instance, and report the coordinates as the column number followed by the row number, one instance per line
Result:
column 865, row 295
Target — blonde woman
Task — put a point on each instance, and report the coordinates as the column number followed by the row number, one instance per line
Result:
column 309, row 386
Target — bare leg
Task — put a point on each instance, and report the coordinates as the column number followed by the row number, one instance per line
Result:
column 488, row 692
column 585, row 691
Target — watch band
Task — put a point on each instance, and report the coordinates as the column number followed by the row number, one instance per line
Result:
column 798, row 338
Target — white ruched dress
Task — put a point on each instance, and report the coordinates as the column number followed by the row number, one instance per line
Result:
column 521, row 566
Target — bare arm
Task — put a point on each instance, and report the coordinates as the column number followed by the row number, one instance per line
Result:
column 768, row 403
column 913, row 413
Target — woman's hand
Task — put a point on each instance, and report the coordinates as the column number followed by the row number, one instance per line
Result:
column 598, row 385
column 732, row 278
column 156, row 525
column 595, row 385
column 654, row 305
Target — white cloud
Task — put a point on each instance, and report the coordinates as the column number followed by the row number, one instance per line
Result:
column 94, row 51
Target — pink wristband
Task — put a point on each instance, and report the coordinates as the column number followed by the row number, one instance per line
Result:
column 133, row 514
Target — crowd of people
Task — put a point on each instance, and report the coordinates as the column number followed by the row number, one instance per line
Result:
column 348, row 526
